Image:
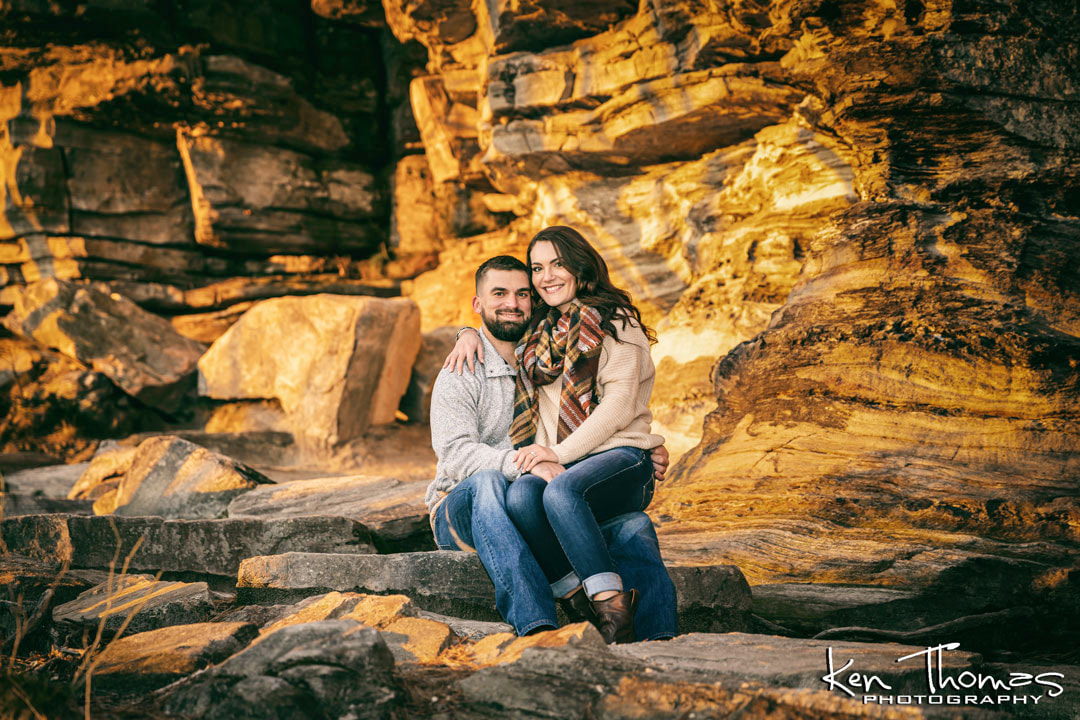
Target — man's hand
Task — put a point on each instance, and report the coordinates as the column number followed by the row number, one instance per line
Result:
column 660, row 460
column 548, row 470
column 528, row 457
column 467, row 350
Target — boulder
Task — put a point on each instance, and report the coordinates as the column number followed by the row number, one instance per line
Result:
column 150, row 604
column 138, row 351
column 147, row 660
column 456, row 584
column 173, row 478
column 336, row 364
column 336, row 668
column 214, row 547
column 104, row 472
column 393, row 511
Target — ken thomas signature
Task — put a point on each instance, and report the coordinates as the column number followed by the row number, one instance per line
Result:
column 944, row 687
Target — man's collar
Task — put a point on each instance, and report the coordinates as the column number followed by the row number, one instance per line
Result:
column 494, row 365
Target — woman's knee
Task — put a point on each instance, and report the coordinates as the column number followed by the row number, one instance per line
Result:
column 560, row 495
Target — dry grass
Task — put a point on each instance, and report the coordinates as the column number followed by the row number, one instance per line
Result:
column 14, row 686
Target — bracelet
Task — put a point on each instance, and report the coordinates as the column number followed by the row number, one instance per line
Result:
column 458, row 335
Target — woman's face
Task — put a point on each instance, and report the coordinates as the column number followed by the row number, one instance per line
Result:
column 553, row 282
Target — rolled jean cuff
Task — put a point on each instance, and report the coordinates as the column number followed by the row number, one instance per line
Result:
column 525, row 630
column 565, row 585
column 601, row 582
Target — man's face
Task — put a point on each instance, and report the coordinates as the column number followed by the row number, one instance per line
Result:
column 504, row 303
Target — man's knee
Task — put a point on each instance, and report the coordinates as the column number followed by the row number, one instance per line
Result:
column 488, row 486
column 524, row 494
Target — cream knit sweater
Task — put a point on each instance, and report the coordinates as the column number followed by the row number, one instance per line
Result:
column 624, row 383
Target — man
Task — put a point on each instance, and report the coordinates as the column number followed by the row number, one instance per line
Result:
column 470, row 419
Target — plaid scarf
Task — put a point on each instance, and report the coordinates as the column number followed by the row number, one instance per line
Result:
column 566, row 345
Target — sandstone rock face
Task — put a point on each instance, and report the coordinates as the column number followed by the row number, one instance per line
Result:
column 138, row 351
column 172, row 478
column 337, row 365
column 852, row 238
column 151, row 605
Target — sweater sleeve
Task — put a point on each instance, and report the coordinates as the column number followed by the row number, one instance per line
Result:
column 455, row 437
column 620, row 380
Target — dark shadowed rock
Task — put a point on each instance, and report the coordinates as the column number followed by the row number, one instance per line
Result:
column 51, row 481
column 434, row 347
column 456, row 584
column 394, row 511
column 340, row 666
column 174, row 478
column 155, row 604
column 30, row 578
column 16, row 504
column 140, row 352
column 216, row 547
column 135, row 663
column 813, row 607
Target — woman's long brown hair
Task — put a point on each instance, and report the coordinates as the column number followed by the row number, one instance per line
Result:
column 594, row 287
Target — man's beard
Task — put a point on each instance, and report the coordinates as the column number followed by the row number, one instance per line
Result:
column 505, row 330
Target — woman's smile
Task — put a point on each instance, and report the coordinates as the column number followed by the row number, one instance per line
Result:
column 556, row 285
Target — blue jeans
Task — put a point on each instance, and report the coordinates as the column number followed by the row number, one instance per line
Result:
column 564, row 522
column 634, row 547
column 473, row 517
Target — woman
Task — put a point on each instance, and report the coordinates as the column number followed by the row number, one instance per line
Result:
column 581, row 422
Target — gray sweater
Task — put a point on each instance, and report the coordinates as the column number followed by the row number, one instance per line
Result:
column 470, row 423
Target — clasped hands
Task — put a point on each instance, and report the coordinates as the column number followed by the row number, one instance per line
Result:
column 542, row 461
column 539, row 460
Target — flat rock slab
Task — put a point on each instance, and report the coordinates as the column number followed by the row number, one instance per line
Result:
column 51, row 481
column 140, row 352
column 155, row 604
column 456, row 584
column 340, row 666
column 796, row 663
column 582, row 682
column 16, row 504
column 394, row 511
column 135, row 663
column 216, row 547
column 173, row 478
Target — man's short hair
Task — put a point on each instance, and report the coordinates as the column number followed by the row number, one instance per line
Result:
column 499, row 262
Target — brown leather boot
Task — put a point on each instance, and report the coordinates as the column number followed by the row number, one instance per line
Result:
column 578, row 608
column 615, row 617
